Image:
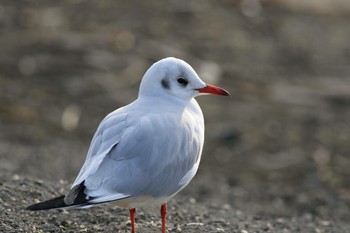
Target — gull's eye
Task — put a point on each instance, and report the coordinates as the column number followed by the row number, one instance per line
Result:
column 182, row 81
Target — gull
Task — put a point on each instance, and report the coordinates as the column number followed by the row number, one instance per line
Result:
column 144, row 153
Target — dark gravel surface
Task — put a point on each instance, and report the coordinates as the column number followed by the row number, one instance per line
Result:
column 277, row 154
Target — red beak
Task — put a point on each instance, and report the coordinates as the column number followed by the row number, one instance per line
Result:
column 210, row 89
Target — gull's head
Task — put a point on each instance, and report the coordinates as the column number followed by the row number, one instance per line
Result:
column 174, row 77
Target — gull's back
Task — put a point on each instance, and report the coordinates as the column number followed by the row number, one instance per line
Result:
column 150, row 148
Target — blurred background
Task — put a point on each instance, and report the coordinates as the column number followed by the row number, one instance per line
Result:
column 286, row 130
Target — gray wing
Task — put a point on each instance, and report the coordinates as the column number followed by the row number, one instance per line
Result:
column 106, row 137
column 157, row 155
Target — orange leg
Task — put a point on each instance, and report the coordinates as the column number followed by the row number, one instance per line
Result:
column 132, row 219
column 163, row 211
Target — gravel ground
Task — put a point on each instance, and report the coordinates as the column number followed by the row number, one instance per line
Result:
column 208, row 205
column 276, row 157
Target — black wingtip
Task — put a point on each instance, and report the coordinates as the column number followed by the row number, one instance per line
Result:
column 54, row 203
column 80, row 199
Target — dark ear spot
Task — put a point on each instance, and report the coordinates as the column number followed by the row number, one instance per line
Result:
column 165, row 84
